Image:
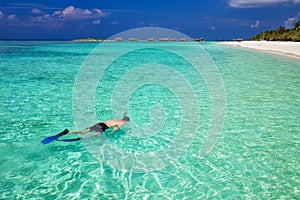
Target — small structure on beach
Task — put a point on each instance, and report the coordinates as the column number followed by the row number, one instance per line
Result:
column 163, row 39
column 199, row 39
column 238, row 39
column 118, row 39
column 184, row 39
column 151, row 39
column 168, row 39
column 173, row 39
column 133, row 39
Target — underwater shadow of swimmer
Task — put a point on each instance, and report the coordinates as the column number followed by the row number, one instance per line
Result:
column 117, row 135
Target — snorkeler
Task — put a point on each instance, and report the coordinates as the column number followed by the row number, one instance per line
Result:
column 97, row 129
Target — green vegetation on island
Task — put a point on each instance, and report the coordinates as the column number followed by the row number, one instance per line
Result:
column 89, row 39
column 281, row 34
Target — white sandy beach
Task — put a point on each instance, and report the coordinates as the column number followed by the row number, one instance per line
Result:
column 291, row 49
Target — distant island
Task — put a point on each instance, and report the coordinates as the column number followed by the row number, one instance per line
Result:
column 281, row 34
column 119, row 39
column 89, row 40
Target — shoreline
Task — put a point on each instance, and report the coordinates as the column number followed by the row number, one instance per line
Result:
column 289, row 49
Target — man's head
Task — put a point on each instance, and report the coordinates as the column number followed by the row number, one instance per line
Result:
column 126, row 119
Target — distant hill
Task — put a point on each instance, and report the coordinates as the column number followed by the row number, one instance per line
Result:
column 281, row 34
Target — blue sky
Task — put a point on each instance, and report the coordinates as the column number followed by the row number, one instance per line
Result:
column 211, row 19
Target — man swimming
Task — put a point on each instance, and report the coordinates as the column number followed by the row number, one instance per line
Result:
column 102, row 126
column 97, row 129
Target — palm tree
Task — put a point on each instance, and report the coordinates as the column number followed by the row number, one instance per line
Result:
column 280, row 34
column 297, row 26
column 280, row 31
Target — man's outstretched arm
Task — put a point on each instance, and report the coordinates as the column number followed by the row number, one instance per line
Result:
column 116, row 128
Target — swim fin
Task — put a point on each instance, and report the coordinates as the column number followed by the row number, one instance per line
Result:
column 55, row 137
column 70, row 140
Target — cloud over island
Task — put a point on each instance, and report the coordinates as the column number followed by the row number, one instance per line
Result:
column 258, row 3
column 71, row 14
column 40, row 17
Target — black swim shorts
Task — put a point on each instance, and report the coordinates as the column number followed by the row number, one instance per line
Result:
column 100, row 127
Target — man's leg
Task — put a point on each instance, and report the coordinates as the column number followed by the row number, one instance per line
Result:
column 80, row 132
column 93, row 135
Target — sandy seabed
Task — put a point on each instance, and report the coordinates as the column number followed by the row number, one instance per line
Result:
column 291, row 49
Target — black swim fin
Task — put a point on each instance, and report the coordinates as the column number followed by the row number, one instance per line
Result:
column 70, row 140
column 65, row 132
column 55, row 137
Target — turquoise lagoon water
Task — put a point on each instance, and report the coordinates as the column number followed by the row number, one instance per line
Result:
column 256, row 156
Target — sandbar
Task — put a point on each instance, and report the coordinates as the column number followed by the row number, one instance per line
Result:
column 291, row 49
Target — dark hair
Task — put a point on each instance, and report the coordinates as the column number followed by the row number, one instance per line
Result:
column 126, row 118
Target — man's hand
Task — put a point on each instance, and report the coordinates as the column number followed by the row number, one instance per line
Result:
column 116, row 128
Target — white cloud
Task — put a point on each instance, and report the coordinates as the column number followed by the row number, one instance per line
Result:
column 1, row 14
column 36, row 11
column 12, row 17
column 257, row 3
column 256, row 25
column 96, row 21
column 72, row 14
column 213, row 28
column 290, row 22
column 42, row 19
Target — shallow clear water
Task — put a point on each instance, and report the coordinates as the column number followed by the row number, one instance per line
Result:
column 256, row 157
